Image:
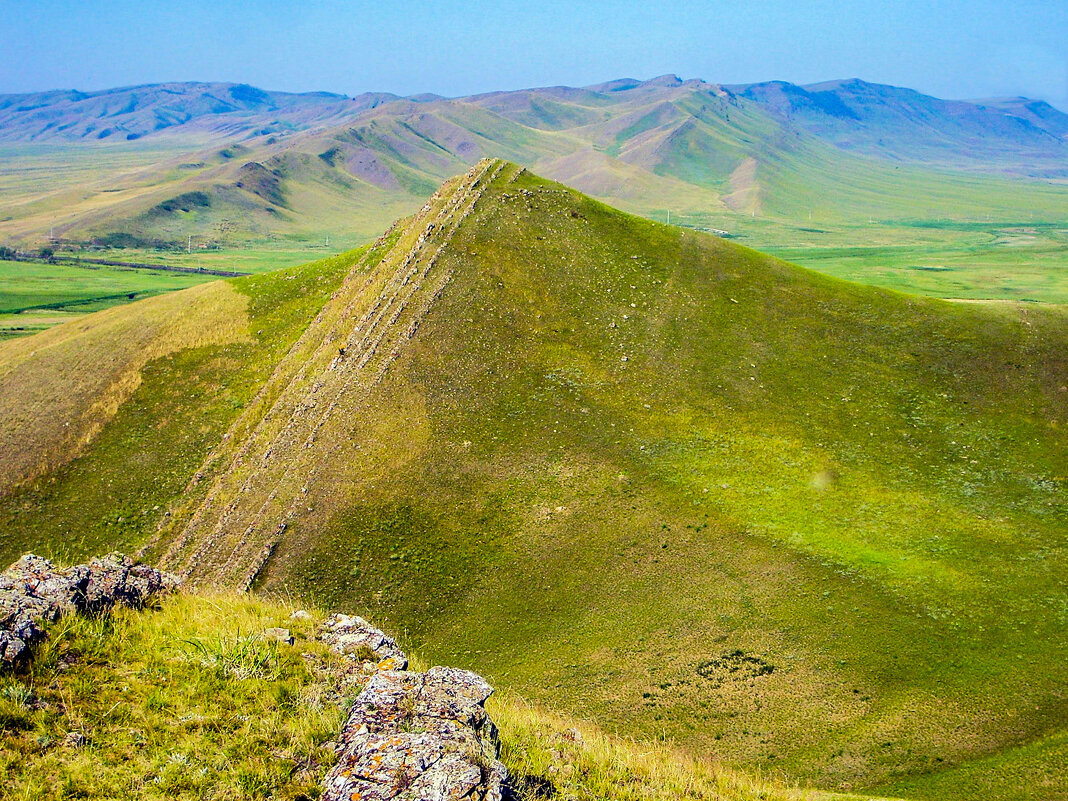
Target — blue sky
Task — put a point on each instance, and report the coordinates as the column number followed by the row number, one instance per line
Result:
column 950, row 49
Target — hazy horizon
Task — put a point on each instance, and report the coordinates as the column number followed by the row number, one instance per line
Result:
column 1060, row 106
column 952, row 50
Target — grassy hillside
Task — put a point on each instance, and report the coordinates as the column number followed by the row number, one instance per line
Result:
column 191, row 701
column 647, row 477
column 59, row 389
column 178, row 370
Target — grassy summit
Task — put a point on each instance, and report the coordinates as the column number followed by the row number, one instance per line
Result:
column 652, row 478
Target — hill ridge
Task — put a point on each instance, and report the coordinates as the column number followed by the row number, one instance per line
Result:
column 228, row 546
column 773, row 515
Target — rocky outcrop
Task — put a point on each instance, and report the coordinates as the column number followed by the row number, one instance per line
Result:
column 271, row 462
column 34, row 592
column 354, row 637
column 412, row 736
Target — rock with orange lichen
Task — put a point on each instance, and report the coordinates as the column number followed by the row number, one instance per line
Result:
column 354, row 636
column 418, row 737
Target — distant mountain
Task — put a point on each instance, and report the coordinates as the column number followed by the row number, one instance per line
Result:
column 1016, row 134
column 132, row 112
column 260, row 163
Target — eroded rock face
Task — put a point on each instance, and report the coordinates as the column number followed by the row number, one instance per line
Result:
column 355, row 637
column 418, row 737
column 34, row 592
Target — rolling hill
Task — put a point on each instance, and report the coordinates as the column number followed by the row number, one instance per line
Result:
column 228, row 163
column 638, row 473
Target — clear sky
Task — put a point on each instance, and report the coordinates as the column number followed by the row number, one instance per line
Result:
column 953, row 48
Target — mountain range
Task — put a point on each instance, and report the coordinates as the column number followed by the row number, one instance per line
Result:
column 852, row 114
column 218, row 160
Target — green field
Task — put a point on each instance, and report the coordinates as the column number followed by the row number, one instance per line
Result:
column 995, row 261
column 256, row 257
column 34, row 296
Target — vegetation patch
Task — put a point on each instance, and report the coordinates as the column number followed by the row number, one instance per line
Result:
column 188, row 201
column 736, row 665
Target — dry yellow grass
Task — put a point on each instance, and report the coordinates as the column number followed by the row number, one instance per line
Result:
column 745, row 190
column 58, row 388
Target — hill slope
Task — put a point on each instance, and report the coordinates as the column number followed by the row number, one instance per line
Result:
column 91, row 719
column 658, row 480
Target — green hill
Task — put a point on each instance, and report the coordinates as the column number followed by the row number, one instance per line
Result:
column 638, row 473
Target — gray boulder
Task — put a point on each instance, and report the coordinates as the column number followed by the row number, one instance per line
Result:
column 33, row 592
column 418, row 737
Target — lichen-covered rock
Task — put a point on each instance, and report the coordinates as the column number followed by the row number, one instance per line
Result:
column 418, row 737
column 115, row 579
column 34, row 592
column 352, row 635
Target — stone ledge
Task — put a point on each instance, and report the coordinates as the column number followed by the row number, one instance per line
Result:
column 34, row 592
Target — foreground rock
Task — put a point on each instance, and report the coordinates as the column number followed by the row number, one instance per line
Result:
column 34, row 592
column 419, row 736
column 412, row 736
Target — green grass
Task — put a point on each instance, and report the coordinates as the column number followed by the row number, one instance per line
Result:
column 182, row 407
column 1027, row 769
column 29, row 285
column 189, row 701
column 32, row 322
column 861, row 490
column 553, row 756
column 256, row 257
column 991, row 262
column 35, row 296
